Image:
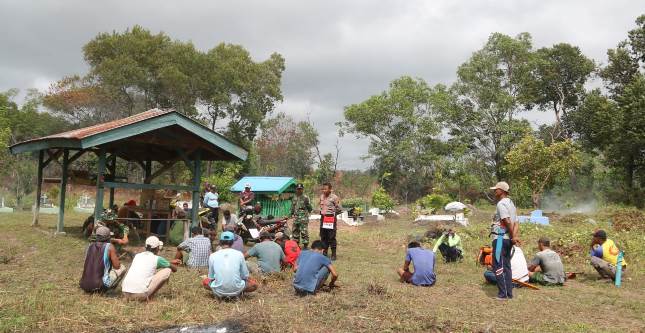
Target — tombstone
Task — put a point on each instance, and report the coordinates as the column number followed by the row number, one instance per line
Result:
column 4, row 209
column 46, row 207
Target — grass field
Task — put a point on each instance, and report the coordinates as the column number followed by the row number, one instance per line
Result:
column 39, row 274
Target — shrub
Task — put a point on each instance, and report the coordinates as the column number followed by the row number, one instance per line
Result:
column 433, row 202
column 354, row 203
column 382, row 200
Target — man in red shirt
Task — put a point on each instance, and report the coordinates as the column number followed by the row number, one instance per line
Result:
column 246, row 197
column 290, row 248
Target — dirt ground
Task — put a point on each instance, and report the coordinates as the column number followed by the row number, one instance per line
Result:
column 39, row 291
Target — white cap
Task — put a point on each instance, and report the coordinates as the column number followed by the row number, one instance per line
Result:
column 154, row 242
column 502, row 186
column 247, row 185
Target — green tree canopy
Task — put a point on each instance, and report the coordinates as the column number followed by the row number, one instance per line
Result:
column 403, row 125
column 532, row 162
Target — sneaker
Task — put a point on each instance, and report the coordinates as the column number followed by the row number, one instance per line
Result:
column 501, row 298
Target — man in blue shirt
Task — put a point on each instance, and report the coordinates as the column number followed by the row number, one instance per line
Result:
column 423, row 261
column 312, row 270
column 227, row 272
column 211, row 201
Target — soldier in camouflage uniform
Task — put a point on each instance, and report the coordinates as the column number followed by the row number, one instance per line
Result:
column 300, row 209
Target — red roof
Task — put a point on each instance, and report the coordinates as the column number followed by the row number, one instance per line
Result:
column 85, row 132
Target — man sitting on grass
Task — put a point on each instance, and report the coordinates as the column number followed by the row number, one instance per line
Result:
column 148, row 273
column 423, row 261
column 290, row 248
column 519, row 268
column 312, row 270
column 198, row 248
column 546, row 267
column 228, row 275
column 102, row 269
column 269, row 254
column 604, row 256
column 449, row 244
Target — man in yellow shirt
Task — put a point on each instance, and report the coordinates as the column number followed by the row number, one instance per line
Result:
column 604, row 255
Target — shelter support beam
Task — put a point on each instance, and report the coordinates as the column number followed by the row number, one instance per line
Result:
column 196, row 180
column 39, row 187
column 98, row 205
column 60, row 228
column 112, row 170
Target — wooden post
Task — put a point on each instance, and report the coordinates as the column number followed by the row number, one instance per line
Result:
column 60, row 229
column 113, row 173
column 98, row 205
column 39, row 187
column 148, row 171
column 196, row 182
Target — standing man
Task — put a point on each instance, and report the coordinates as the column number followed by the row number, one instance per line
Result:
column 505, row 231
column 211, row 201
column 329, row 208
column 246, row 197
column 300, row 210
column 604, row 256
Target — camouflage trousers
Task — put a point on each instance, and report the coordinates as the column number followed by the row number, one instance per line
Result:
column 300, row 230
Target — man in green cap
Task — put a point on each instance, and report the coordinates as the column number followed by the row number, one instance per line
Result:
column 300, row 210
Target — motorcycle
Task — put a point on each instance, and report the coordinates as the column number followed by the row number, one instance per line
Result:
column 249, row 226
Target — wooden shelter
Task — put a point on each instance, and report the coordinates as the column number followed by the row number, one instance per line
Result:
column 166, row 137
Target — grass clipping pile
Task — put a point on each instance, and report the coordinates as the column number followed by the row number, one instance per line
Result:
column 627, row 219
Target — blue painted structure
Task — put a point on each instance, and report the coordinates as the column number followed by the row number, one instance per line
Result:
column 536, row 217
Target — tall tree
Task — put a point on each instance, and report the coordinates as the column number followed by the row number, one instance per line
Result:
column 539, row 165
column 285, row 147
column 238, row 91
column 559, row 75
column 403, row 125
column 614, row 125
column 491, row 88
column 136, row 70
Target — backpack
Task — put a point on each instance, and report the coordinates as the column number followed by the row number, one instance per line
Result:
column 485, row 257
column 93, row 269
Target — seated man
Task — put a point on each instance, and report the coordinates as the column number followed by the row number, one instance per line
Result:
column 423, row 261
column 238, row 242
column 198, row 248
column 269, row 254
column 604, row 256
column 519, row 268
column 312, row 270
column 546, row 267
column 228, row 275
column 450, row 246
column 228, row 220
column 148, row 272
column 290, row 248
column 102, row 269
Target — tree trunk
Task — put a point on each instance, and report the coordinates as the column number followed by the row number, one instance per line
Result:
column 536, row 197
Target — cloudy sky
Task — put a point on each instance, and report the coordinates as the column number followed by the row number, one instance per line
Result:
column 337, row 52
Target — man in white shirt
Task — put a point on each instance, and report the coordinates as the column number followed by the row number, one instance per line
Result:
column 148, row 272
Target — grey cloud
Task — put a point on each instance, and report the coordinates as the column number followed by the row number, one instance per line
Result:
column 337, row 52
